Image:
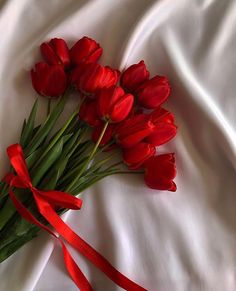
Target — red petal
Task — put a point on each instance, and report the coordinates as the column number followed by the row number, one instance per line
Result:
column 161, row 134
column 122, row 108
column 154, row 92
column 134, row 76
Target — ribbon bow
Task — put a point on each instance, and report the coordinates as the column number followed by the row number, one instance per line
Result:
column 45, row 201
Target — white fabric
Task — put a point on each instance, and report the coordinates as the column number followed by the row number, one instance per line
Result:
column 164, row 241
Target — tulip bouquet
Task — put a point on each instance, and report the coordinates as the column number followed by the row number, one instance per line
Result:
column 114, row 129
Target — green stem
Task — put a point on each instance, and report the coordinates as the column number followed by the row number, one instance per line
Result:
column 84, row 167
column 114, row 165
column 105, row 147
column 98, row 142
column 97, row 165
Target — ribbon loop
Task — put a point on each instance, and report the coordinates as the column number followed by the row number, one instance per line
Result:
column 61, row 199
column 18, row 162
column 45, row 201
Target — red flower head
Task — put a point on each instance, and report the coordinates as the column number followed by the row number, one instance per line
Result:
column 85, row 50
column 134, row 157
column 107, row 135
column 113, row 104
column 50, row 81
column 154, row 92
column 162, row 115
column 160, row 172
column 88, row 113
column 55, row 52
column 133, row 130
column 91, row 77
column 134, row 76
column 164, row 130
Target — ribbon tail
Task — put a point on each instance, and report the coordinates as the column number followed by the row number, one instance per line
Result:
column 84, row 248
column 76, row 274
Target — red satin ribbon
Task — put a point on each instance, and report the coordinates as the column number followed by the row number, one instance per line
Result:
column 45, row 201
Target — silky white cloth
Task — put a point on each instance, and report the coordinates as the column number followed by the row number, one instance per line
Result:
column 164, row 241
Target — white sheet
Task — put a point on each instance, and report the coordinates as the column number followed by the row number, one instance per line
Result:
column 164, row 241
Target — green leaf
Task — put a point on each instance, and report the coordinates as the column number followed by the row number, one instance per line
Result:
column 33, row 158
column 75, row 124
column 56, row 137
column 46, row 128
column 50, row 181
column 9, row 209
column 29, row 126
column 22, row 131
column 81, row 185
column 6, row 212
column 8, row 250
column 4, row 192
column 35, row 130
column 22, row 226
column 55, row 173
column 38, row 172
column 79, row 154
column 95, row 167
column 72, row 174
column 71, row 144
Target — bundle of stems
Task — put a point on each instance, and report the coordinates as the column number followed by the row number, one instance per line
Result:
column 66, row 160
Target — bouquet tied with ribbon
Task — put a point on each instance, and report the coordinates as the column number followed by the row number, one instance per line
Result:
column 116, row 127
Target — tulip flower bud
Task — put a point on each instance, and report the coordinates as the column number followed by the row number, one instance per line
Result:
column 164, row 130
column 88, row 113
column 91, row 77
column 113, row 104
column 56, row 52
column 134, row 76
column 153, row 92
column 85, row 50
column 134, row 157
column 161, row 115
column 50, row 81
column 161, row 134
column 133, row 130
column 160, row 172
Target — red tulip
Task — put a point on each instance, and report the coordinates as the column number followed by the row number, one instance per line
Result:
column 91, row 77
column 134, row 157
column 134, row 76
column 154, row 92
column 107, row 135
column 160, row 172
column 164, row 130
column 161, row 115
column 133, row 130
column 50, row 81
column 113, row 104
column 162, row 133
column 55, row 52
column 88, row 113
column 85, row 50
